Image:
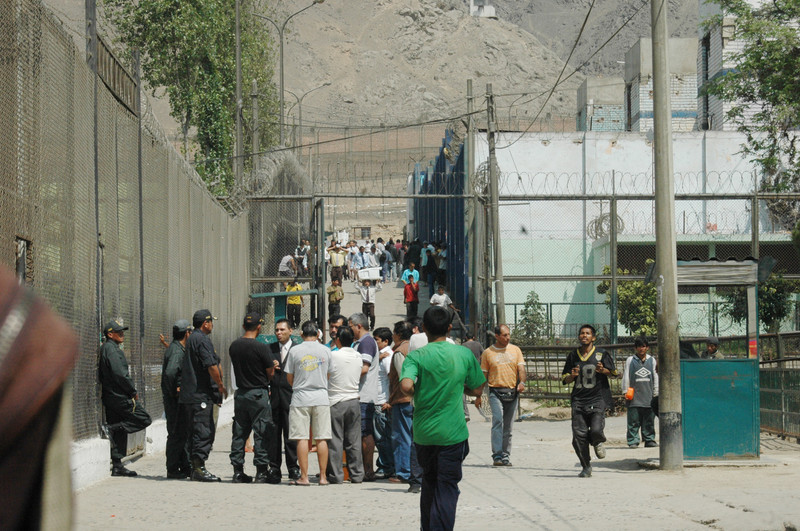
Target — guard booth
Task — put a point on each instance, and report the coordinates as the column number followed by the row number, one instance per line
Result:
column 720, row 398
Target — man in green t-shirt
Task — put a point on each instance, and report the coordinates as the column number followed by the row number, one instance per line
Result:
column 436, row 375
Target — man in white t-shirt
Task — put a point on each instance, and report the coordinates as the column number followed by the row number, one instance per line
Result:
column 382, row 417
column 345, row 409
column 307, row 368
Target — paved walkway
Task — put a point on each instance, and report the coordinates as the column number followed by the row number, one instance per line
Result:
column 541, row 490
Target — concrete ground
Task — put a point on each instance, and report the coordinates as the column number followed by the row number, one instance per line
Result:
column 541, row 490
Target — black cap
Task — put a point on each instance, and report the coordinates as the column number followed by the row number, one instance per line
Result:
column 253, row 318
column 200, row 317
column 181, row 325
column 114, row 326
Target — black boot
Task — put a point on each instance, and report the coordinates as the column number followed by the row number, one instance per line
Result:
column 265, row 475
column 239, row 476
column 119, row 470
column 199, row 472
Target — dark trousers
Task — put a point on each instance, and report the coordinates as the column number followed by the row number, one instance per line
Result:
column 588, row 423
column 280, row 417
column 441, row 472
column 293, row 314
column 644, row 418
column 368, row 309
column 431, row 281
column 411, row 308
column 252, row 412
column 334, row 308
column 196, row 423
column 177, row 456
column 124, row 416
column 336, row 273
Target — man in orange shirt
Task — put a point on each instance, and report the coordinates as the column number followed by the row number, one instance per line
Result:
column 504, row 367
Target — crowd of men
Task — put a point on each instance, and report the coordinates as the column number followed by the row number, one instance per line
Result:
column 350, row 399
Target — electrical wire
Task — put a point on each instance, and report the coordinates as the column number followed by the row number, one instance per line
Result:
column 558, row 80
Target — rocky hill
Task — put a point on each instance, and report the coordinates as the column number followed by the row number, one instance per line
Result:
column 402, row 61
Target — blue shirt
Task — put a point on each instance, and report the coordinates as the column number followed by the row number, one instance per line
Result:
column 408, row 274
column 361, row 260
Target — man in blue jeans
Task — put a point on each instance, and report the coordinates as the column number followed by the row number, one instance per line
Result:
column 436, row 375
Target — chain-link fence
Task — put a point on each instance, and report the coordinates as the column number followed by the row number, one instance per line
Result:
column 99, row 227
column 600, row 240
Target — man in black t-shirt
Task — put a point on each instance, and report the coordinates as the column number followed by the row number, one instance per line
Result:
column 201, row 388
column 589, row 368
column 253, row 367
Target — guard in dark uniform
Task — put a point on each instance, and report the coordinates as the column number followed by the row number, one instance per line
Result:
column 124, row 413
column 253, row 367
column 178, row 466
column 201, row 388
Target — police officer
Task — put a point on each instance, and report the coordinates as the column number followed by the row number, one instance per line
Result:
column 201, row 388
column 124, row 413
column 253, row 366
column 178, row 466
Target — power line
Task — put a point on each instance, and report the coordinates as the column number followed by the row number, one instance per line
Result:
column 558, row 80
column 577, row 69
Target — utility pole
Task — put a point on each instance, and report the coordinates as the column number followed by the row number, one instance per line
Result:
column 471, row 221
column 669, row 372
column 499, row 297
column 256, row 131
column 237, row 166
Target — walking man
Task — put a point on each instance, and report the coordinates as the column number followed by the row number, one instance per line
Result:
column 178, row 466
column 640, row 379
column 504, row 368
column 201, row 389
column 589, row 368
column 281, row 398
column 294, row 303
column 368, row 294
column 124, row 413
column 253, row 367
column 307, row 368
column 335, row 296
column 338, row 259
column 345, row 410
column 436, row 375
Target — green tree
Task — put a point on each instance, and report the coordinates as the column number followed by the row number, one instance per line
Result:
column 774, row 302
column 636, row 302
column 533, row 326
column 763, row 90
column 188, row 48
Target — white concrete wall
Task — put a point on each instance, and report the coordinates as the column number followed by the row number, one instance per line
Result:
column 91, row 458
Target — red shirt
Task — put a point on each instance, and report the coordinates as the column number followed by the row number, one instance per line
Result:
column 410, row 292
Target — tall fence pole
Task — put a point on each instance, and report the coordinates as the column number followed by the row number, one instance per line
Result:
column 238, row 161
column 256, row 132
column 494, row 187
column 472, row 221
column 671, row 449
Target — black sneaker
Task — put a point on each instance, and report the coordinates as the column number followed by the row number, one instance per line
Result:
column 241, row 477
column 294, row 473
column 121, row 471
column 414, row 488
column 650, row 444
column 586, row 472
column 498, row 462
column 201, row 474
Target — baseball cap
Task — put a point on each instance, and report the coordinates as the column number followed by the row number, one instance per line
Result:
column 200, row 317
column 181, row 325
column 253, row 317
column 114, row 326
column 713, row 341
